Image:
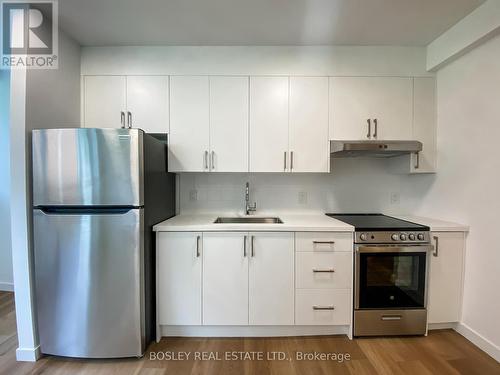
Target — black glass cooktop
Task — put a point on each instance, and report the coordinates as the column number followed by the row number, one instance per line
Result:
column 377, row 222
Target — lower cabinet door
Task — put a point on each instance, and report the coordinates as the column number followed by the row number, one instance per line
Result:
column 225, row 279
column 179, row 278
column 446, row 277
column 323, row 307
column 271, row 278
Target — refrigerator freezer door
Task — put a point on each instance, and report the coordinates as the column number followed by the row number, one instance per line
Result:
column 88, row 167
column 89, row 288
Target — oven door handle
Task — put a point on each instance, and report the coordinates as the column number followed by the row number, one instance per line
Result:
column 395, row 249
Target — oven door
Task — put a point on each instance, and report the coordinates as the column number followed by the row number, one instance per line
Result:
column 391, row 277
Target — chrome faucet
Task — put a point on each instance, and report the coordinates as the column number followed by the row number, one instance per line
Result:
column 249, row 207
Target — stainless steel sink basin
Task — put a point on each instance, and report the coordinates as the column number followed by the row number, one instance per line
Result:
column 248, row 220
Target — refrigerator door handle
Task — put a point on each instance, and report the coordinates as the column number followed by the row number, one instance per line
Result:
column 85, row 210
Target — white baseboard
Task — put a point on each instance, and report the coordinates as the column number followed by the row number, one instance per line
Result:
column 6, row 287
column 252, row 331
column 28, row 354
column 481, row 342
column 432, row 326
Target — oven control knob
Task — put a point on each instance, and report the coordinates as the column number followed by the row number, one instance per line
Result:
column 402, row 237
column 420, row 237
column 411, row 236
column 395, row 237
column 362, row 236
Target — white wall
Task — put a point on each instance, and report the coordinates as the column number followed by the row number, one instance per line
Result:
column 6, row 280
column 39, row 99
column 467, row 187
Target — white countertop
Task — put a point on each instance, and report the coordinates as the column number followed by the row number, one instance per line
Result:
column 291, row 223
column 434, row 224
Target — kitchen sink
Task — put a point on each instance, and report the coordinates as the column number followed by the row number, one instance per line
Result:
column 248, row 220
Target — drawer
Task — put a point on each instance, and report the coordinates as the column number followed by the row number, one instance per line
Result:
column 336, row 304
column 323, row 241
column 314, row 270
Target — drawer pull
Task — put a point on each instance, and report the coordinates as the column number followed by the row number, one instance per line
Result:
column 391, row 317
column 328, row 270
column 323, row 242
column 323, row 307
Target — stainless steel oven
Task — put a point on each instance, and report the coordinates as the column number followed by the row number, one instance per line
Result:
column 390, row 289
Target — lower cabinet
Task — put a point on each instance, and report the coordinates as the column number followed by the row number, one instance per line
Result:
column 179, row 278
column 225, row 279
column 248, row 278
column 271, row 279
column 446, row 277
column 254, row 278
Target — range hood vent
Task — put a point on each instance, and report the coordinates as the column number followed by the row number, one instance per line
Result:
column 376, row 149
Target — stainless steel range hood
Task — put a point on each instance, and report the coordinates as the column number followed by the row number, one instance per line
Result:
column 377, row 149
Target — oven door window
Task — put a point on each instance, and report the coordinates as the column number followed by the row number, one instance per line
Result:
column 392, row 280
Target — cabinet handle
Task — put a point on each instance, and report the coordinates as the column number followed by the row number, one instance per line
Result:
column 375, row 121
column 315, row 307
column 417, row 160
column 284, row 161
column 291, row 160
column 391, row 317
column 252, row 240
column 436, row 248
column 205, row 160
column 212, row 160
column 369, row 134
column 323, row 242
column 198, row 251
column 244, row 246
column 129, row 119
column 122, row 119
column 329, row 270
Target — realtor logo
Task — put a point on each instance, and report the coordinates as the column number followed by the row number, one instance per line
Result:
column 29, row 34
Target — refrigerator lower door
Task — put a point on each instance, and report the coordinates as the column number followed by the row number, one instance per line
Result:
column 89, row 282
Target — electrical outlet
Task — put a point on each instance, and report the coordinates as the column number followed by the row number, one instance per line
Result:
column 302, row 197
column 193, row 195
column 395, row 198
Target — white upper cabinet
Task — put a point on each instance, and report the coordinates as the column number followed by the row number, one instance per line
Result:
column 269, row 124
column 105, row 101
column 424, row 124
column 271, row 289
column 189, row 124
column 371, row 108
column 446, row 277
column 229, row 124
column 147, row 103
column 309, row 146
column 133, row 101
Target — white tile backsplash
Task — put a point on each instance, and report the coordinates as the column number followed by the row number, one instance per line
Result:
column 355, row 185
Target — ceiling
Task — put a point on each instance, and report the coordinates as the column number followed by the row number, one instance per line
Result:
column 260, row 22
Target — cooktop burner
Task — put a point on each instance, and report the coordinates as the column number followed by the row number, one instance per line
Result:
column 378, row 222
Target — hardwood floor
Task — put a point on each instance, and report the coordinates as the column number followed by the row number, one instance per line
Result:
column 442, row 352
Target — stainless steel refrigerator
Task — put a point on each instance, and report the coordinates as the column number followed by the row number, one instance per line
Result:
column 96, row 195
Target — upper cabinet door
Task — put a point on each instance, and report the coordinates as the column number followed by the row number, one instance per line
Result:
column 189, row 129
column 271, row 289
column 351, row 103
column 104, row 101
column 393, row 108
column 229, row 124
column 309, row 146
column 424, row 124
column 147, row 102
column 370, row 108
column 269, row 124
